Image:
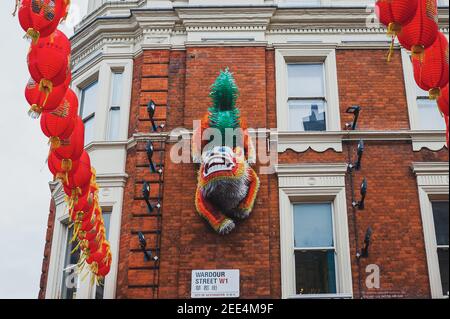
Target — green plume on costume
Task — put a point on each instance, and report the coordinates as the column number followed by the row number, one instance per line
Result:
column 224, row 93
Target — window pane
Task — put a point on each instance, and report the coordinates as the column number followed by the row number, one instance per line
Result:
column 313, row 225
column 440, row 216
column 116, row 88
column 443, row 266
column 307, row 115
column 70, row 277
column 107, row 219
column 89, row 130
column 306, row 80
column 114, row 123
column 315, row 272
column 89, row 100
column 429, row 116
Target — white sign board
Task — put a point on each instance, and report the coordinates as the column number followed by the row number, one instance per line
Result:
column 215, row 284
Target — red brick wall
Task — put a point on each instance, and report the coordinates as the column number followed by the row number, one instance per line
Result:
column 187, row 242
column 47, row 250
column 366, row 79
column 138, row 278
column 179, row 81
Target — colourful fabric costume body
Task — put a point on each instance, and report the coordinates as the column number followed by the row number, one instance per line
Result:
column 227, row 185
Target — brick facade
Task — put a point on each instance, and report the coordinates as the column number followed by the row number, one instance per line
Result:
column 178, row 81
column 47, row 250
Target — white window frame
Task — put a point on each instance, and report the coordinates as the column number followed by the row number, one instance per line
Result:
column 301, row 141
column 303, row 183
column 432, row 139
column 102, row 71
column 93, row 80
column 330, row 248
column 65, row 224
column 110, row 195
column 433, row 184
column 114, row 70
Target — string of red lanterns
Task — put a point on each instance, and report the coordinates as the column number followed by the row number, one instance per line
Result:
column 51, row 99
column 415, row 23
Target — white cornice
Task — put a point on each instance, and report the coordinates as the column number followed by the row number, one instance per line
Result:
column 134, row 27
column 428, row 168
column 58, row 194
column 432, row 176
column 111, row 180
column 311, row 169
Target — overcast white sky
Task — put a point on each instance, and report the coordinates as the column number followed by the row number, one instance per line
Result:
column 24, row 191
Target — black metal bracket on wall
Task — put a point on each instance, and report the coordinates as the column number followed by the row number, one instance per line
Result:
column 357, row 205
column 155, row 156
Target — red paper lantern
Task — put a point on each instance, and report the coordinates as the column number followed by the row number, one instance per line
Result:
column 421, row 32
column 49, row 61
column 84, row 202
column 394, row 14
column 91, row 246
column 40, row 18
column 443, row 101
column 81, row 177
column 101, row 255
column 41, row 102
column 81, row 216
column 431, row 73
column 103, row 271
column 96, row 232
column 100, row 258
column 61, row 167
column 59, row 124
column 73, row 147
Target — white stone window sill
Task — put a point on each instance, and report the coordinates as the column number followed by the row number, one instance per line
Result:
column 432, row 140
column 302, row 141
column 322, row 141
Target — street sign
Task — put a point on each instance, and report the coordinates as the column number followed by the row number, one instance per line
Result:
column 215, row 284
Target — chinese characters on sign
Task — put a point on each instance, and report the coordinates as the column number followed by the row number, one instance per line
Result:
column 215, row 284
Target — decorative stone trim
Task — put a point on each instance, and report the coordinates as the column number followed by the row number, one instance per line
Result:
column 432, row 183
column 317, row 182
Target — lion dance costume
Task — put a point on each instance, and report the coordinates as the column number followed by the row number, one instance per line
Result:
column 227, row 185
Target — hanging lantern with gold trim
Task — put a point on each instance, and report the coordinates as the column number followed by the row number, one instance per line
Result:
column 40, row 18
column 431, row 73
column 421, row 32
column 40, row 102
column 59, row 124
column 394, row 14
column 49, row 61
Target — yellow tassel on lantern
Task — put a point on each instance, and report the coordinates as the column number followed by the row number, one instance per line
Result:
column 393, row 30
column 62, row 177
column 66, row 165
column 46, row 86
column 54, row 142
column 35, row 111
column 434, row 93
column 33, row 35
